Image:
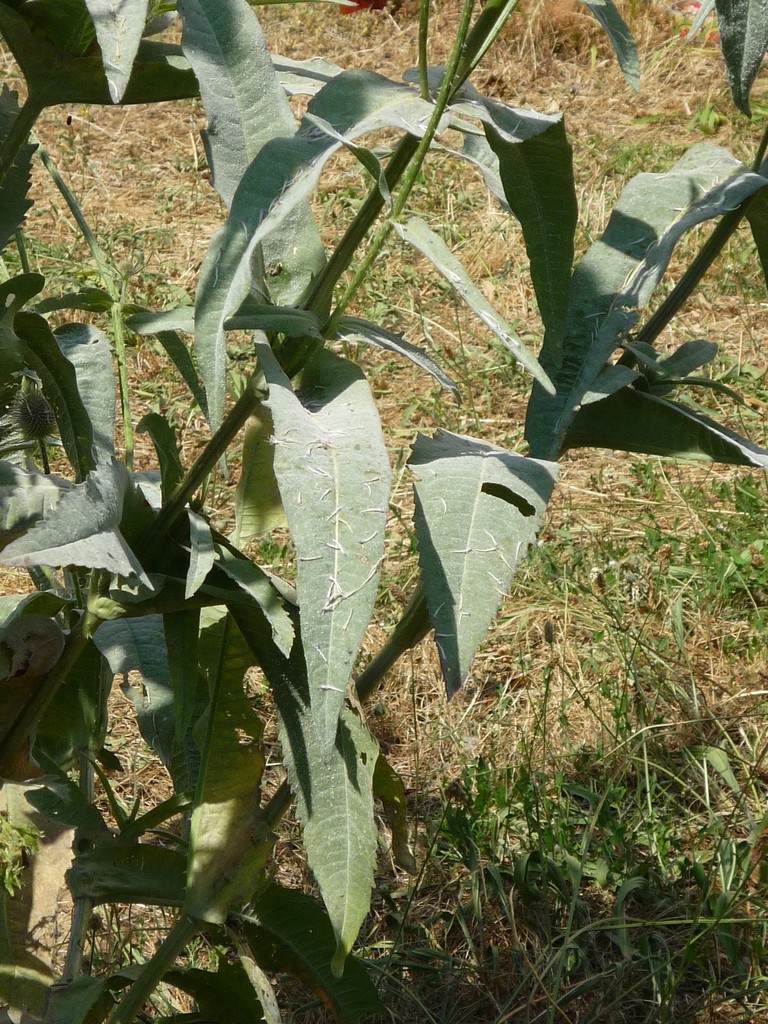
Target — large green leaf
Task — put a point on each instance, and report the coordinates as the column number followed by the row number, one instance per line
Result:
column 80, row 527
column 223, row 996
column 743, row 28
column 119, row 26
column 620, row 39
column 110, row 870
column 332, row 786
column 619, row 272
column 274, row 187
column 87, row 349
column 257, row 584
column 422, row 238
column 229, row 841
column 15, row 183
column 478, row 509
column 635, row 421
column 25, row 498
column 14, row 294
column 289, row 933
column 333, row 473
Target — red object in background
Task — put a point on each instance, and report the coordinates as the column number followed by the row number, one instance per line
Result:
column 364, row 5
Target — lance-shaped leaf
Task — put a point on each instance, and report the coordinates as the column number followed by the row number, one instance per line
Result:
column 304, row 77
column 257, row 584
column 743, row 27
column 333, row 473
column 431, row 245
column 332, row 786
column 636, row 421
column 229, row 841
column 119, row 26
column 620, row 38
column 273, row 188
column 354, row 328
column 87, row 349
column 619, row 272
column 478, row 509
column 258, row 506
column 202, row 554
column 289, row 933
column 166, row 449
column 81, row 528
column 13, row 191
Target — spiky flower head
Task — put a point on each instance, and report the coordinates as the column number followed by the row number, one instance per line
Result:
column 32, row 415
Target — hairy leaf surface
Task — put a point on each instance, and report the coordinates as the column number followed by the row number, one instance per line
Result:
column 333, row 473
column 743, row 27
column 354, row 328
column 258, row 506
column 119, row 26
column 620, row 38
column 87, row 349
column 478, row 509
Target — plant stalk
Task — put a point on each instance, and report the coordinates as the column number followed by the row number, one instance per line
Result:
column 154, row 970
column 246, row 404
column 423, row 53
column 83, row 909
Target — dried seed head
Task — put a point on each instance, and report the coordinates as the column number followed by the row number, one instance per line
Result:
column 549, row 632
column 598, row 580
column 32, row 415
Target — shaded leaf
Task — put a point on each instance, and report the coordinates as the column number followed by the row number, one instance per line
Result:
column 83, row 1000
column 635, row 421
column 743, row 28
column 389, row 788
column 87, row 349
column 167, row 451
column 110, row 870
column 258, row 585
column 422, row 238
column 333, row 473
column 478, row 508
column 181, row 630
column 288, row 932
column 202, row 553
column 258, row 506
column 222, row 996
column 15, row 184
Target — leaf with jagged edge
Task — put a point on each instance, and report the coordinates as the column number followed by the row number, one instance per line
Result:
column 635, row 421
column 289, row 933
column 15, row 185
column 274, row 186
column 478, row 509
column 119, row 27
column 333, row 473
column 424, row 240
column 332, row 786
column 620, row 271
column 743, row 28
column 81, row 527
column 229, row 840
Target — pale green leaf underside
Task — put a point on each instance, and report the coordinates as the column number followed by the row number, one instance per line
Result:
column 119, row 26
column 276, row 183
column 258, row 506
column 333, row 473
column 424, row 240
column 478, row 509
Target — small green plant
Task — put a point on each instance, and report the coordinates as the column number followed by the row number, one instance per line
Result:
column 131, row 576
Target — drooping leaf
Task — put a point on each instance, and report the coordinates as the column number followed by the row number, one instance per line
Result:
column 389, row 788
column 166, row 449
column 14, row 295
column 25, row 498
column 15, row 184
column 619, row 272
column 304, row 77
column 332, row 786
column 258, row 506
column 353, row 328
column 757, row 216
column 255, row 582
column 81, row 1001
column 333, row 473
column 636, row 421
column 230, row 840
column 424, row 240
column 222, row 996
column 80, row 528
column 276, row 184
column 181, row 631
column 743, row 28
column 42, row 354
column 87, row 349
column 202, row 553
column 119, row 26
column 478, row 509
column 92, row 300
column 110, row 870
column 620, row 38
column 288, row 932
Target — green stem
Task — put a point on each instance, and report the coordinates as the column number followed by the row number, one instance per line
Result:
column 246, row 404
column 112, row 290
column 18, row 136
column 83, row 909
column 153, row 971
column 447, row 88
column 21, row 245
column 423, row 55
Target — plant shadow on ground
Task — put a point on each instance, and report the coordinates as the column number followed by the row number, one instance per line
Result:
column 589, row 814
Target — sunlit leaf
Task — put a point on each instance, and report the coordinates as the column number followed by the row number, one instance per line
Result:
column 119, row 26
column 620, row 38
column 258, row 506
